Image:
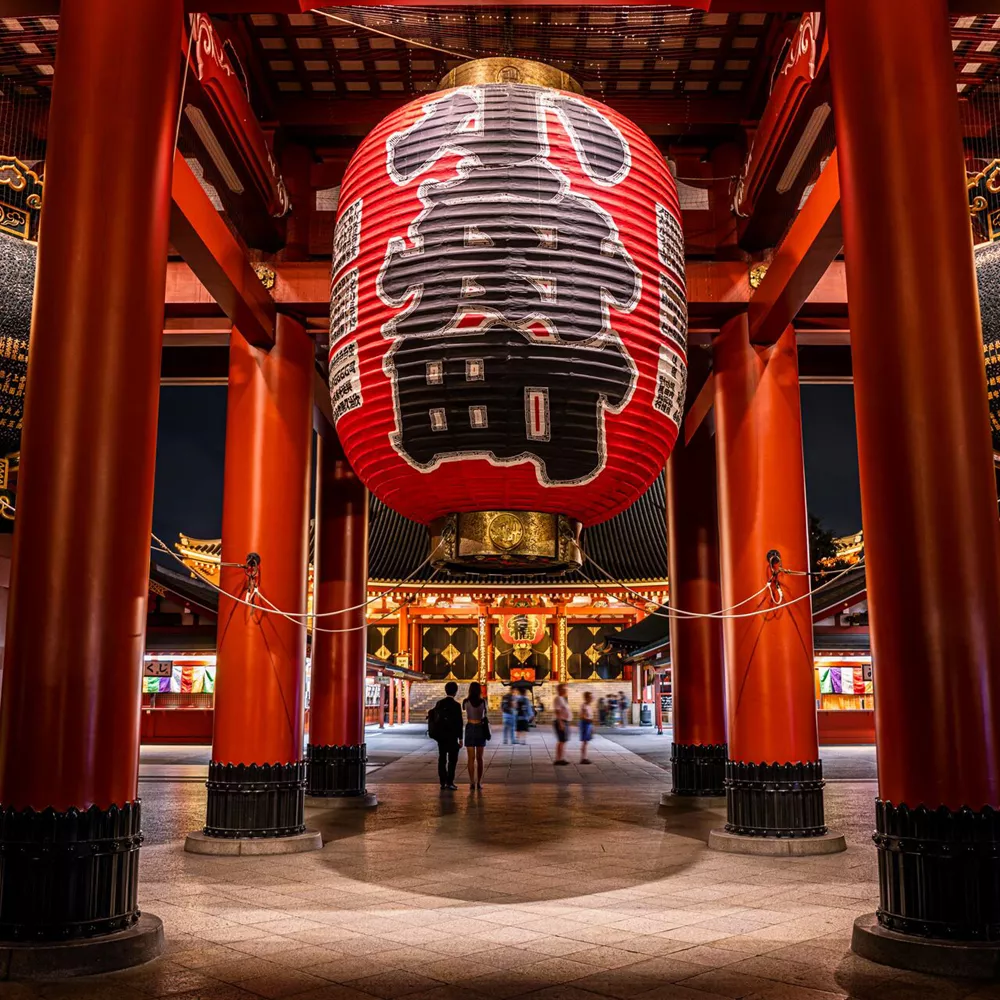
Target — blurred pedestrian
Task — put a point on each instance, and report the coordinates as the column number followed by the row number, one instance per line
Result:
column 622, row 708
column 508, row 715
column 523, row 713
column 562, row 718
column 586, row 725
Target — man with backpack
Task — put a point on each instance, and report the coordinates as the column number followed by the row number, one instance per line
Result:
column 444, row 725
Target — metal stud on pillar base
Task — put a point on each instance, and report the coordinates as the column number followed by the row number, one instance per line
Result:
column 698, row 769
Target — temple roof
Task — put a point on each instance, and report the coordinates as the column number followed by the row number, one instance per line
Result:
column 632, row 546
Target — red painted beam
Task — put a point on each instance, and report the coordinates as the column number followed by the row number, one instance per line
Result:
column 700, row 409
column 303, row 287
column 803, row 257
column 199, row 234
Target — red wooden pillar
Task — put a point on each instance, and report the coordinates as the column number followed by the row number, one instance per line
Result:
column 927, row 486
column 774, row 775
column 699, row 751
column 417, row 654
column 337, row 752
column 257, row 775
column 69, row 727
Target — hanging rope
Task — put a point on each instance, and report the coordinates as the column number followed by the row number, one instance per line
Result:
column 725, row 613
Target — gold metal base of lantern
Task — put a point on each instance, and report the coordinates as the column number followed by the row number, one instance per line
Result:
column 506, row 541
column 506, row 69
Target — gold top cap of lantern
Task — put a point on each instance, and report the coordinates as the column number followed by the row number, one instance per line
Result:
column 506, row 69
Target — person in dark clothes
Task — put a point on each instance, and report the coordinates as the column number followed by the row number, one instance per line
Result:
column 448, row 733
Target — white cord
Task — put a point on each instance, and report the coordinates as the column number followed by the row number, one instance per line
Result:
column 386, row 34
column 371, row 600
column 675, row 612
column 336, row 631
column 274, row 610
column 678, row 613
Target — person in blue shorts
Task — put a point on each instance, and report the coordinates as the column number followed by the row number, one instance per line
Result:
column 586, row 725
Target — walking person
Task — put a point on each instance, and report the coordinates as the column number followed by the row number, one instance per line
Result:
column 586, row 725
column 509, row 715
column 523, row 713
column 444, row 724
column 477, row 732
column 562, row 718
column 623, row 706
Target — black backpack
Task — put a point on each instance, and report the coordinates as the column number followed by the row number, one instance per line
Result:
column 433, row 724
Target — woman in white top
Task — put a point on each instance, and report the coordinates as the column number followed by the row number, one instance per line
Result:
column 560, row 709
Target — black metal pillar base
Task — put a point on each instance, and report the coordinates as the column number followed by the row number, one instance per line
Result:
column 337, row 771
column 90, row 956
column 68, row 875
column 699, row 768
column 939, row 872
column 933, row 956
column 255, row 800
column 775, row 800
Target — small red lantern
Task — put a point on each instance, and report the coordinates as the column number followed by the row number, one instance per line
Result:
column 508, row 326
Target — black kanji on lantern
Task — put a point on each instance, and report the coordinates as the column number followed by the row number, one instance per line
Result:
column 504, row 345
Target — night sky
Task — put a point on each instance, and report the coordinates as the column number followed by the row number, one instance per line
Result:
column 191, row 446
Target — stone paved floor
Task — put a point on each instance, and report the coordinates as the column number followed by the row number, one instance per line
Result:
column 554, row 884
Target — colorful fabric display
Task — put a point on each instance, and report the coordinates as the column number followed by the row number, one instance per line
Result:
column 844, row 680
column 209, row 683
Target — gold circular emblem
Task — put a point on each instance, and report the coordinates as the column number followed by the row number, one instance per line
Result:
column 508, row 74
column 506, row 532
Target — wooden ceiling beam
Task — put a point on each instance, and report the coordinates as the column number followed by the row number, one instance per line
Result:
column 38, row 8
column 216, row 259
column 803, row 257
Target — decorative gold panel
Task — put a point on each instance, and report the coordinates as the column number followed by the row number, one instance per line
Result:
column 506, row 540
column 505, row 69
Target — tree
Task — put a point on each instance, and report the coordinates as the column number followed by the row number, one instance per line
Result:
column 822, row 546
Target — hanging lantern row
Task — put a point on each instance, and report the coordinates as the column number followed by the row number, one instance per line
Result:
column 508, row 315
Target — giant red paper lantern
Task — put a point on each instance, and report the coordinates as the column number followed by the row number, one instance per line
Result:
column 508, row 315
